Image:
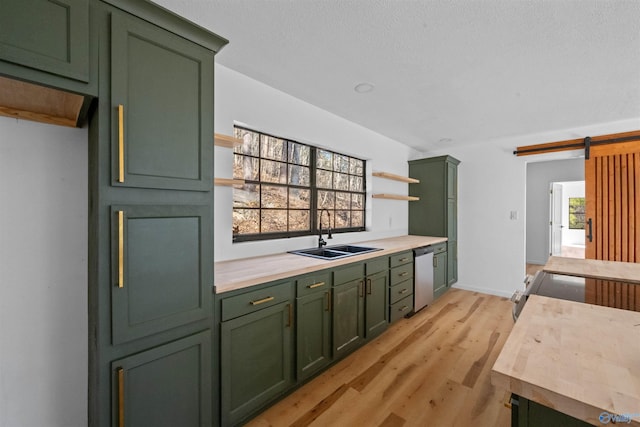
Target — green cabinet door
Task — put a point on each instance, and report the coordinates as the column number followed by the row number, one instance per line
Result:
column 256, row 362
column 168, row 385
column 161, row 276
column 348, row 317
column 313, row 333
column 161, row 108
column 377, row 310
column 48, row 35
column 439, row 274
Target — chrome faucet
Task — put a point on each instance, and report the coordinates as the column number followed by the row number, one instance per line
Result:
column 321, row 241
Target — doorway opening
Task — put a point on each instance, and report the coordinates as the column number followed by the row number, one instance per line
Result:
column 567, row 219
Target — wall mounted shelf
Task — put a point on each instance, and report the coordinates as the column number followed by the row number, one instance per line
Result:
column 394, row 197
column 226, row 141
column 228, row 182
column 395, row 177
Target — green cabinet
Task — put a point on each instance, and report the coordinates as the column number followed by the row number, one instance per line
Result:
column 348, row 316
column 256, row 362
column 527, row 413
column 46, row 35
column 435, row 214
column 313, row 324
column 169, row 385
column 440, row 267
column 401, row 285
column 376, row 297
column 162, row 127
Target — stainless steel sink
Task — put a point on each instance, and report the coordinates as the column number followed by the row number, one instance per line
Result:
column 334, row 252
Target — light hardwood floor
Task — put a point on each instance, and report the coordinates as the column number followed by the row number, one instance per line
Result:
column 430, row 370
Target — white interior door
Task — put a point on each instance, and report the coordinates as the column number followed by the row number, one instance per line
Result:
column 556, row 219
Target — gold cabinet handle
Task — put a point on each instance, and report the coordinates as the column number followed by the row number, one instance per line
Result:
column 361, row 288
column 120, row 143
column 315, row 285
column 404, row 291
column 120, row 249
column 404, row 273
column 368, row 286
column 290, row 319
column 328, row 296
column 262, row 301
column 403, row 259
column 404, row 308
column 120, row 373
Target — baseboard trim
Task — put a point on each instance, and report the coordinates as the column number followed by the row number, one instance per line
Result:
column 505, row 294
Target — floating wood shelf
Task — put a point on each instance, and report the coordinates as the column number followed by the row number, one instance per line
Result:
column 228, row 181
column 226, row 141
column 396, row 177
column 395, row 197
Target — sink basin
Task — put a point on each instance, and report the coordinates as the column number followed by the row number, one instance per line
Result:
column 334, row 252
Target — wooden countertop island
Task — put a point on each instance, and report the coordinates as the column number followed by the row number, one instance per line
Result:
column 242, row 273
column 577, row 358
column 594, row 269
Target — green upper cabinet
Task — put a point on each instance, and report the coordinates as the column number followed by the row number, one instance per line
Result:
column 169, row 385
column 435, row 214
column 161, row 108
column 47, row 35
column 160, row 268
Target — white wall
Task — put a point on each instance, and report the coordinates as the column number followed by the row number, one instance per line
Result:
column 569, row 190
column 43, row 275
column 255, row 105
column 540, row 175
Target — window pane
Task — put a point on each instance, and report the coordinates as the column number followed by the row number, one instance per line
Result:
column 357, row 219
column 343, row 200
column 326, row 199
column 355, row 183
column 299, row 175
column 343, row 219
column 324, row 179
column 299, row 154
column 246, row 221
column 246, row 197
column 273, row 148
column 357, row 201
column 341, row 181
column 273, row 220
column 245, row 167
column 274, row 197
column 273, row 171
column 299, row 198
column 251, row 144
column 299, row 220
column 324, row 159
column 356, row 167
column 340, row 163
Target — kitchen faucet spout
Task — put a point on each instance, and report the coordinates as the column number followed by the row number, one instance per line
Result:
column 321, row 241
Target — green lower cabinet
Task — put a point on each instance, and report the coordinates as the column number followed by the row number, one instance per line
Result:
column 256, row 362
column 313, row 333
column 376, row 303
column 527, row 413
column 348, row 317
column 168, row 385
column 440, row 285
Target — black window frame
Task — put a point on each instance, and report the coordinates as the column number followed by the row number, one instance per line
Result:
column 313, row 206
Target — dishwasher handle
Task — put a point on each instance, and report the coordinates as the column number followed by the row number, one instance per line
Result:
column 424, row 250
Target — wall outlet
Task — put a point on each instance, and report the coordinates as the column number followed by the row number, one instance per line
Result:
column 513, row 215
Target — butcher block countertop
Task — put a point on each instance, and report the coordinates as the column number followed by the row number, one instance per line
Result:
column 594, row 269
column 242, row 273
column 577, row 358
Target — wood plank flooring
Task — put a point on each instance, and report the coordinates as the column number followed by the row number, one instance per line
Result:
column 430, row 370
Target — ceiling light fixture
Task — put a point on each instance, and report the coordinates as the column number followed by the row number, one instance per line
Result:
column 363, row 87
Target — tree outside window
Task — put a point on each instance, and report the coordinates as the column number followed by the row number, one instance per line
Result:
column 576, row 213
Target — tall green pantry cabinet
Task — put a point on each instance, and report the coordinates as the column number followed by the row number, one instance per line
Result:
column 436, row 213
column 152, row 329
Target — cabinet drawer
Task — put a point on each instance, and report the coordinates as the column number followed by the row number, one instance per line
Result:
column 401, row 308
column 315, row 282
column 400, row 274
column 377, row 265
column 348, row 273
column 400, row 259
column 439, row 248
column 400, row 291
column 249, row 302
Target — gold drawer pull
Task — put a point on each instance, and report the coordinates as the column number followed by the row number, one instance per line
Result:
column 404, row 308
column 404, row 291
column 120, row 143
column 404, row 273
column 316, row 285
column 120, row 249
column 262, row 301
column 120, row 373
column 403, row 259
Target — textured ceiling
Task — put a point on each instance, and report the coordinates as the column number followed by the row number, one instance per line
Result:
column 445, row 71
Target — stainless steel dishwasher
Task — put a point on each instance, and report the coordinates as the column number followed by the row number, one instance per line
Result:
column 423, row 292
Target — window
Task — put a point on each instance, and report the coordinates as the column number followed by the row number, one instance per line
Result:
column 576, row 213
column 289, row 184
